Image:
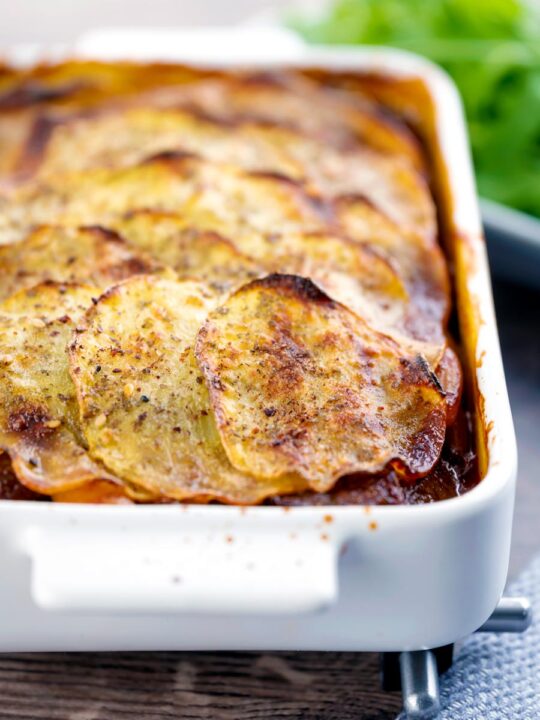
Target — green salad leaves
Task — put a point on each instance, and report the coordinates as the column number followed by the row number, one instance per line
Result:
column 491, row 48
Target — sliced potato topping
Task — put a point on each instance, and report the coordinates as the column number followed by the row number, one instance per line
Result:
column 192, row 253
column 299, row 384
column 253, row 214
column 366, row 280
column 291, row 100
column 286, row 99
column 126, row 138
column 93, row 198
column 217, row 197
column 146, row 415
column 251, row 210
column 39, row 425
column 89, row 254
column 389, row 183
column 356, row 274
column 215, row 286
column 421, row 263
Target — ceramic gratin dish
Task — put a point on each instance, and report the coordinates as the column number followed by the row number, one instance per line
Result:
column 82, row 577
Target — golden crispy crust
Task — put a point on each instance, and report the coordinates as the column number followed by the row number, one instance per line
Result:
column 125, row 138
column 217, row 197
column 146, row 415
column 266, row 298
column 300, row 384
column 38, row 410
column 92, row 254
column 280, row 98
column 190, row 252
column 249, row 209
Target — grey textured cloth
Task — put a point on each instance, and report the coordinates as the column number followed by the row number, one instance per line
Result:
column 497, row 677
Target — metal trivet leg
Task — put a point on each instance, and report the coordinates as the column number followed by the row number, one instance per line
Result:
column 419, row 670
column 419, row 684
column 512, row 615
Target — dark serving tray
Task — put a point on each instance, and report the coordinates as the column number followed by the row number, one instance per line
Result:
column 513, row 240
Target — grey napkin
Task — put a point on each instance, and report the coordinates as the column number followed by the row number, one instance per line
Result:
column 497, row 676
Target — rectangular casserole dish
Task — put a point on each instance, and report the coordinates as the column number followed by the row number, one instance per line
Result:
column 312, row 578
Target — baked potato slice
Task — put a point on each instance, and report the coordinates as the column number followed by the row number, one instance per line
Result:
column 191, row 253
column 252, row 209
column 93, row 198
column 293, row 100
column 255, row 210
column 335, row 116
column 357, row 275
column 86, row 84
column 299, row 384
column 146, row 415
column 39, row 425
column 126, row 136
column 223, row 198
column 388, row 183
column 421, row 264
column 93, row 255
column 360, row 277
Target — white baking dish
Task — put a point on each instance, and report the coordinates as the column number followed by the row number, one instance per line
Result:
column 78, row 577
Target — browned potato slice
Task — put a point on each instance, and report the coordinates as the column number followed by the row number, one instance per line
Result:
column 358, row 276
column 242, row 206
column 93, row 198
column 86, row 83
column 146, row 415
column 251, row 209
column 355, row 274
column 220, row 198
column 89, row 254
column 254, row 210
column 315, row 116
column 389, row 183
column 337, row 118
column 125, row 137
column 39, row 425
column 334, row 116
column 192, row 253
column 299, row 384
column 421, row 263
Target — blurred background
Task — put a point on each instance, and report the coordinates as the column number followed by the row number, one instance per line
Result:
column 63, row 20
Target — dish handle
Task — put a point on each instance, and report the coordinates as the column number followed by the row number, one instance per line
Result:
column 255, row 571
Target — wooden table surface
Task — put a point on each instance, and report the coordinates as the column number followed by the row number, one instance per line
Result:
column 250, row 686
